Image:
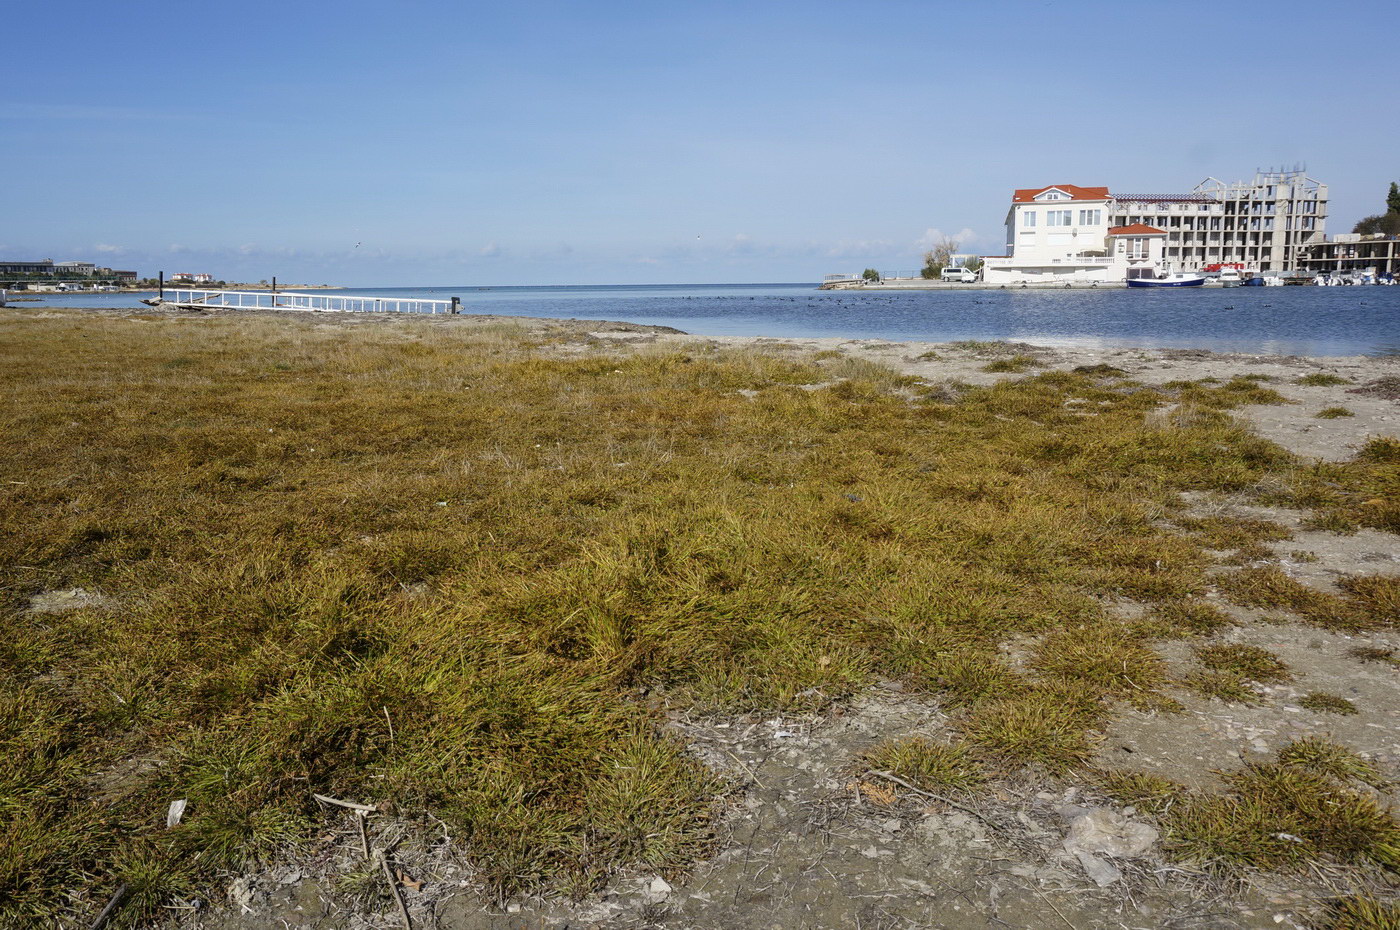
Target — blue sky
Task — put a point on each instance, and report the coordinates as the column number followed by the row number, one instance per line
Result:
column 607, row 142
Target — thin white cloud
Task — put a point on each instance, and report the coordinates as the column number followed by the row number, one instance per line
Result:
column 932, row 236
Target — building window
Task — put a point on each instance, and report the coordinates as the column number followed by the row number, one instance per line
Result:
column 1090, row 217
column 1057, row 217
column 1028, row 218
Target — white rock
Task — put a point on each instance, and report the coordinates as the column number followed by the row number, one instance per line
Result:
column 1103, row 832
column 659, row 887
column 1102, row 872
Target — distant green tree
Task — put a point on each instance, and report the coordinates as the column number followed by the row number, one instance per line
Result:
column 870, row 274
column 1392, row 199
column 1387, row 224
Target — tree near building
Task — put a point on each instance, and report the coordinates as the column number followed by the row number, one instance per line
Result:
column 870, row 274
column 938, row 257
column 1387, row 224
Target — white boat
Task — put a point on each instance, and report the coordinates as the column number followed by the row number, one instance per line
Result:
column 1229, row 277
column 1178, row 279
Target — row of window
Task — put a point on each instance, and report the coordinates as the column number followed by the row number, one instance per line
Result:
column 1062, row 218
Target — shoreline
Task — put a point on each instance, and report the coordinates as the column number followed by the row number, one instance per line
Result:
column 1295, row 426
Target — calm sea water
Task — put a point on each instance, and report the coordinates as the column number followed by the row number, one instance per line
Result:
column 1264, row 320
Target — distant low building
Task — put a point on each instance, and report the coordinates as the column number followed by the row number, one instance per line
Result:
column 125, row 277
column 75, row 269
column 44, row 267
column 191, row 277
column 1352, row 252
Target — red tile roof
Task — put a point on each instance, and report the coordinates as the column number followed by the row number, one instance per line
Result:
column 1075, row 193
column 1137, row 229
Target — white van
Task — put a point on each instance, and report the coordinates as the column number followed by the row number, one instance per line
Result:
column 959, row 274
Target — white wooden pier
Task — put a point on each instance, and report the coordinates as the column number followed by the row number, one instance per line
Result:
column 196, row 299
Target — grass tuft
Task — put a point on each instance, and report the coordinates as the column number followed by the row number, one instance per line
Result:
column 1015, row 364
column 1286, row 814
column 1361, row 912
column 1248, row 662
column 1321, row 379
column 1333, row 413
column 1324, row 703
column 926, row 764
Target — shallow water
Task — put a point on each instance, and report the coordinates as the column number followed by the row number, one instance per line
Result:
column 1265, row 320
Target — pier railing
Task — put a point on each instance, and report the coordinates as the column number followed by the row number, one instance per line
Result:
column 291, row 300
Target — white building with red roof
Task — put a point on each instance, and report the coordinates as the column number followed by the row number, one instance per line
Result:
column 1058, row 234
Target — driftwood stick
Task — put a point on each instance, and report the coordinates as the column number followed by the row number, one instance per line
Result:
column 887, row 776
column 360, row 817
column 394, row 887
column 351, row 805
column 117, row 898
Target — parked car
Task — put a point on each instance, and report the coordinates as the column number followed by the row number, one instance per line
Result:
column 959, row 274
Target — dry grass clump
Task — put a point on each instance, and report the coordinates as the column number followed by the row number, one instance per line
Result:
column 446, row 567
column 1324, row 702
column 1099, row 370
column 1269, row 587
column 1361, row 912
column 1228, row 671
column 1287, row 814
column 1234, row 532
column 1015, row 364
column 1380, row 654
column 926, row 764
column 1147, row 791
column 1362, row 492
column 1248, row 662
column 1321, row 379
column 1333, row 413
column 1238, row 391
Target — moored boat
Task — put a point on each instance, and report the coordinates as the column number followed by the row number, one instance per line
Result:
column 1179, row 279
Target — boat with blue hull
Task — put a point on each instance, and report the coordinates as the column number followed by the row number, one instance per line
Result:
column 1172, row 280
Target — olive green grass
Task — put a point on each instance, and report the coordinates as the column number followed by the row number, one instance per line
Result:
column 469, row 570
column 926, row 764
column 1311, row 805
column 1013, row 365
column 1381, row 654
column 1361, row 912
column 1323, row 702
column 1321, row 379
column 1333, row 413
column 1363, row 492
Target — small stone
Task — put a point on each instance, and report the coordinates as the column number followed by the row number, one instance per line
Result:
column 659, row 887
column 893, row 826
column 1101, row 872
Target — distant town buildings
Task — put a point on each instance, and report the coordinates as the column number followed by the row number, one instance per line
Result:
column 51, row 272
column 1088, row 235
column 188, row 277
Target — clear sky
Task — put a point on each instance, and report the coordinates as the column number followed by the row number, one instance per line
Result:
column 386, row 143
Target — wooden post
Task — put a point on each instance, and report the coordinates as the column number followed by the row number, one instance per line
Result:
column 161, row 295
column 456, row 305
